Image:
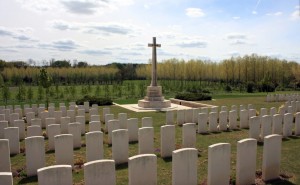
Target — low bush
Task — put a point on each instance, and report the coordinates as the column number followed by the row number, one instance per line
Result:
column 193, row 96
column 94, row 100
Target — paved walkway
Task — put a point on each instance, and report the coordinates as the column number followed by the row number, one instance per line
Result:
column 135, row 108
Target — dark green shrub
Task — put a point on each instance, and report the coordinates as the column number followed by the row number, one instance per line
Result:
column 193, row 96
column 228, row 88
column 94, row 100
column 250, row 87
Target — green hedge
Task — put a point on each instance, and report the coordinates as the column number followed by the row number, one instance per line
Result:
column 193, row 96
column 94, row 100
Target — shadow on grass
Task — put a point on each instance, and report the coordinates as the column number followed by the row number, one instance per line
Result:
column 279, row 182
column 294, row 137
column 167, row 159
column 121, row 166
column 50, row 151
column 205, row 134
column 133, row 142
column 27, row 180
column 285, row 139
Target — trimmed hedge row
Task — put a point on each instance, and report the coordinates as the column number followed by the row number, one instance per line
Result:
column 94, row 100
column 193, row 96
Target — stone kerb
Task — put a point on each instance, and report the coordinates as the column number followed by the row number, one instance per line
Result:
column 146, row 140
column 5, row 156
column 218, row 164
column 94, row 146
column 147, row 122
column 142, row 169
column 271, row 157
column 189, row 135
column 35, row 154
column 64, row 153
column 184, row 166
column 167, row 140
column 120, row 146
column 100, row 172
column 56, row 174
column 246, row 161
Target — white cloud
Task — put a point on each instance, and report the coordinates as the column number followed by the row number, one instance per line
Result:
column 296, row 14
column 95, row 52
column 194, row 12
column 84, row 7
column 63, row 25
column 61, row 45
column 192, row 44
column 236, row 36
column 275, row 14
column 254, row 12
column 39, row 6
column 17, row 34
column 236, row 18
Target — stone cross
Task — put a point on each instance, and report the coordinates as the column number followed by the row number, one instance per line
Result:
column 154, row 76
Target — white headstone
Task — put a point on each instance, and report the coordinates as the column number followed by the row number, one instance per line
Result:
column 56, row 174
column 71, row 114
column 94, row 146
column 266, row 126
column 29, row 117
column 202, row 123
column 64, row 122
column 51, row 112
column 95, row 118
column 3, row 125
column 147, row 122
column 251, row 112
column 5, row 156
column 53, row 130
column 111, row 126
column 233, row 119
column 223, row 120
column 244, row 119
column 180, row 117
column 146, row 140
column 287, row 124
column 196, row 111
column 21, row 125
column 86, row 106
column 133, row 129
column 297, row 124
column 106, row 110
column 120, row 146
column 43, row 116
column 254, row 127
column 34, row 130
column 94, row 126
column 81, row 120
column 188, row 116
column 6, row 178
column 189, row 135
column 142, row 169
column 123, row 120
column 170, row 117
column 273, row 111
column 12, row 118
column 167, row 140
column 277, row 124
column 81, row 112
column 35, row 154
column 75, row 130
column 218, row 164
column 246, row 161
column 2, row 117
column 49, row 121
column 212, row 122
column 100, row 172
column 271, row 157
column 12, row 134
column 107, row 118
column 184, row 166
column 36, row 121
column 64, row 153
column 63, row 110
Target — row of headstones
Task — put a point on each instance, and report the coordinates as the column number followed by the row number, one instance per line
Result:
column 276, row 124
column 142, row 169
column 282, row 97
column 76, row 129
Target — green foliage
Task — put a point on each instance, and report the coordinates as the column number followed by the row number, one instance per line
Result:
column 5, row 93
column 60, row 63
column 250, row 87
column 21, row 94
column 193, row 96
column 94, row 100
column 228, row 88
column 29, row 94
column 40, row 93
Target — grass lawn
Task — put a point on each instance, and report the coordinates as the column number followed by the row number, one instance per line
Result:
column 290, row 162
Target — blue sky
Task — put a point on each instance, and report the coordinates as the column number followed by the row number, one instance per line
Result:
column 105, row 31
